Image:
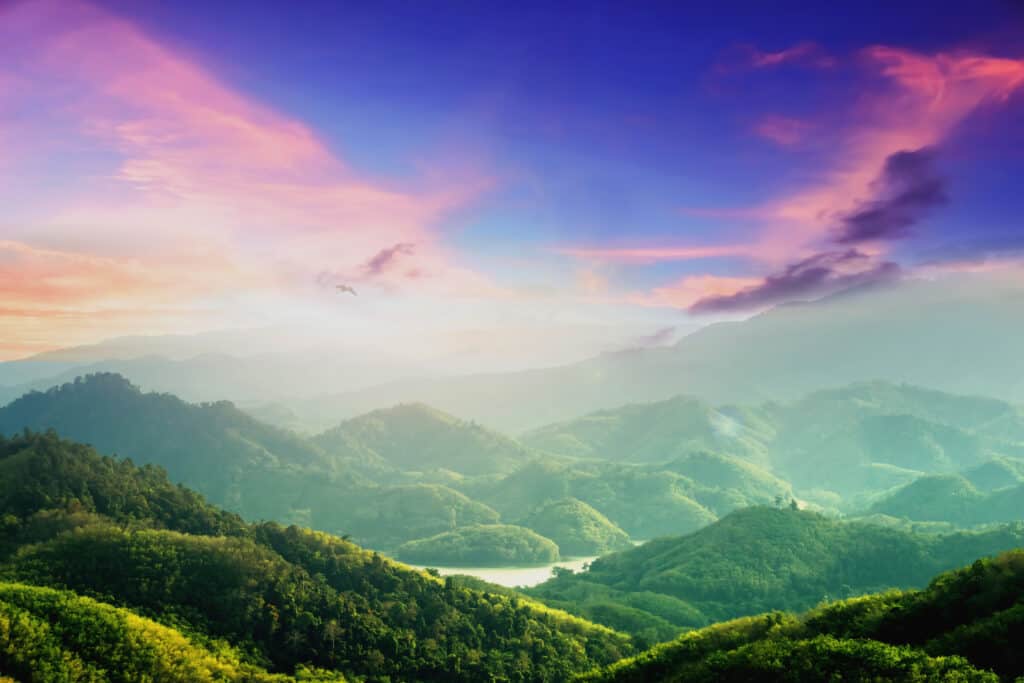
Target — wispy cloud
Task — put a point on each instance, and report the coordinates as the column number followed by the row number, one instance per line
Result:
column 782, row 130
column 807, row 54
column 881, row 182
column 812, row 277
column 176, row 173
column 647, row 255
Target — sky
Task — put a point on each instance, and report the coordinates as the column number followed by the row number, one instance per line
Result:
column 572, row 176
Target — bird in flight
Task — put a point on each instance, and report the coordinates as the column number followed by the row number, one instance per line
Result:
column 346, row 288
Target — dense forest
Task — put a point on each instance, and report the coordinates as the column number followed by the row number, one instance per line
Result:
column 757, row 560
column 100, row 581
column 739, row 529
column 281, row 598
column 965, row 626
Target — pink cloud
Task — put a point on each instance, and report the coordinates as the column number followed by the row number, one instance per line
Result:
column 686, row 291
column 922, row 101
column 187, row 179
column 782, row 130
column 647, row 255
column 805, row 53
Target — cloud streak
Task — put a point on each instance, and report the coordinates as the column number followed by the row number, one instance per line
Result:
column 160, row 167
column 881, row 184
column 816, row 276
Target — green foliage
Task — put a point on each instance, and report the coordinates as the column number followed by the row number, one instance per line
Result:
column 764, row 559
column 955, row 499
column 577, row 528
column 390, row 516
column 285, row 597
column 417, row 437
column 47, row 484
column 485, row 545
column 965, row 626
column 643, row 501
column 48, row 635
column 212, row 447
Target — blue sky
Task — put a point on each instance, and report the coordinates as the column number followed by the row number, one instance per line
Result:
column 522, row 153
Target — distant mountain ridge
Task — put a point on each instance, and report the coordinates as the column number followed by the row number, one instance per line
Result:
column 958, row 334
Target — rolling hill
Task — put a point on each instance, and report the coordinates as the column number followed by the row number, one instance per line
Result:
column 963, row 627
column 416, row 437
column 283, row 597
column 577, row 528
column 761, row 559
column 651, row 432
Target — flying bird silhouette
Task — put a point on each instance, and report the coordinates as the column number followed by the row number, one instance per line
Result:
column 346, row 288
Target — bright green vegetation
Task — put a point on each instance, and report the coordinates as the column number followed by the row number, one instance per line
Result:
column 486, row 545
column 757, row 560
column 282, row 598
column 965, row 626
column 416, row 437
column 49, row 635
column 577, row 528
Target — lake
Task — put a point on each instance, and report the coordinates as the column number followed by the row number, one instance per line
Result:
column 513, row 577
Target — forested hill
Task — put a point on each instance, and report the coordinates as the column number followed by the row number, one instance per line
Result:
column 50, row 635
column 757, row 560
column 418, row 437
column 213, row 445
column 283, row 597
column 967, row 625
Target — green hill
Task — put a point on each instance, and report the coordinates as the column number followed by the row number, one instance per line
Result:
column 485, row 545
column 393, row 515
column 643, row 501
column 284, row 597
column 50, row 635
column 577, row 528
column 213, row 447
column 965, row 626
column 762, row 559
column 416, row 437
column 997, row 473
column 884, row 451
column 651, row 432
column 955, row 499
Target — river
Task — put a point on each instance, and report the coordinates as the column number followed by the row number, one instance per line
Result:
column 514, row 577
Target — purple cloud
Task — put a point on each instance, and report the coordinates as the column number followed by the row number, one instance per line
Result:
column 908, row 187
column 824, row 273
column 385, row 258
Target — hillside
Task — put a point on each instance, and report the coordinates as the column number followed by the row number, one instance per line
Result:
column 416, row 437
column 839, row 448
column 56, row 635
column 955, row 499
column 284, row 596
column 485, row 545
column 963, row 627
column 762, row 559
column 577, row 528
column 212, row 447
column 654, row 432
column 643, row 501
